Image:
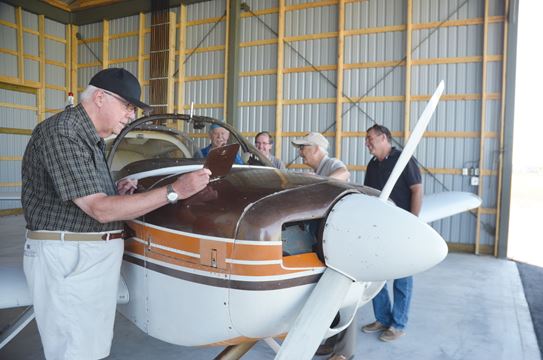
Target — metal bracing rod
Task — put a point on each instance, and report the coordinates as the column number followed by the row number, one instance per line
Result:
column 24, row 319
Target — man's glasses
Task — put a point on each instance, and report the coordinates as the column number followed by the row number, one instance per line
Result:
column 262, row 143
column 128, row 107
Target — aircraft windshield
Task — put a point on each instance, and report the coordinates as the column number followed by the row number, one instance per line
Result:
column 144, row 146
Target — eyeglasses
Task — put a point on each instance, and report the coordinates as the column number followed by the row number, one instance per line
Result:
column 128, row 106
column 262, row 143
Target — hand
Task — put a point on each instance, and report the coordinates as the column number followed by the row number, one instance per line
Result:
column 127, row 186
column 191, row 183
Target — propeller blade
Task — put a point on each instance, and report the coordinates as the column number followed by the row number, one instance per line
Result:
column 367, row 239
column 314, row 320
column 413, row 141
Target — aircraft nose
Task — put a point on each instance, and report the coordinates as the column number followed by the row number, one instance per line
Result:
column 368, row 239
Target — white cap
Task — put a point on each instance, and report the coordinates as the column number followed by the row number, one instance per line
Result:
column 313, row 138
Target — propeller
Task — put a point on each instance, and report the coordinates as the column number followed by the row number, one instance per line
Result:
column 365, row 239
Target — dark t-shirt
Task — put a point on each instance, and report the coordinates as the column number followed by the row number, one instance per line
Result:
column 378, row 173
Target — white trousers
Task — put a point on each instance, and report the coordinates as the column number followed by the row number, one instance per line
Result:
column 74, row 290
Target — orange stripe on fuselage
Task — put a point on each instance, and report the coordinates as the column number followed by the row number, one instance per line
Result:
column 194, row 263
column 192, row 244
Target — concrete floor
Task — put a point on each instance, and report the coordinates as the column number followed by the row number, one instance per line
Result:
column 467, row 307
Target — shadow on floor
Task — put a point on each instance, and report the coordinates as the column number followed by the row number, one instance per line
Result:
column 532, row 280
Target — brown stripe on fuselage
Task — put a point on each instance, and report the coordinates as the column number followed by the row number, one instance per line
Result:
column 225, row 283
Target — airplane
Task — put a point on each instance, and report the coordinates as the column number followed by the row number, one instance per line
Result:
column 260, row 253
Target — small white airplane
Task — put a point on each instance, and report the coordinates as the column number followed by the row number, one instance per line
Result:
column 260, row 253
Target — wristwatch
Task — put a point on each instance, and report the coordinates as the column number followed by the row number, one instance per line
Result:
column 171, row 195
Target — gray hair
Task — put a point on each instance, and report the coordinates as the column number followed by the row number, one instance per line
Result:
column 325, row 151
column 87, row 93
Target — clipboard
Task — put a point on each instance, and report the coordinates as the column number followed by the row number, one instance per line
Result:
column 219, row 160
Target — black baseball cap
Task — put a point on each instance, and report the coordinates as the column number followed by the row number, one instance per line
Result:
column 120, row 82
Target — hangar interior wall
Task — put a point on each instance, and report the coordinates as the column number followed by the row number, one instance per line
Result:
column 333, row 66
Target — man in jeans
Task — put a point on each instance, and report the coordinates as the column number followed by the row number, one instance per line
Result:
column 407, row 194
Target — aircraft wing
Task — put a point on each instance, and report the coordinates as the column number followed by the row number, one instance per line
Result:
column 13, row 289
column 445, row 204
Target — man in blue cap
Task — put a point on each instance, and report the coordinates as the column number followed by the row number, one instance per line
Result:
column 74, row 213
column 218, row 136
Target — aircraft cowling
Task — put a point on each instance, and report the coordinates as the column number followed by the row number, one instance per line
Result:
column 368, row 239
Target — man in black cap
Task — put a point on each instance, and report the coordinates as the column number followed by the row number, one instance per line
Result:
column 74, row 214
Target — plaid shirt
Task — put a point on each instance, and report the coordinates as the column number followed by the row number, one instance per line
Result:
column 64, row 160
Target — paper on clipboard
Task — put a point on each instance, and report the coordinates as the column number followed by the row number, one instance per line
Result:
column 219, row 160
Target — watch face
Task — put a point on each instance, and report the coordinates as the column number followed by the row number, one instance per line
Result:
column 171, row 195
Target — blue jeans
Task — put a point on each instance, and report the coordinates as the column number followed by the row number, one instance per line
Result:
column 395, row 315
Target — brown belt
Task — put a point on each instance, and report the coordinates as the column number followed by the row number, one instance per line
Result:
column 57, row 235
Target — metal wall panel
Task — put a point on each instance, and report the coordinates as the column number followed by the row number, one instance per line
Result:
column 315, row 52
column 55, row 100
column 55, row 28
column 89, row 53
column 496, row 7
column 458, row 115
column 374, row 13
column 131, row 66
column 206, row 63
column 55, row 75
column 204, row 91
column 13, row 145
column 123, row 47
column 308, row 117
column 252, row 28
column 375, row 47
column 309, row 85
column 7, row 12
column 258, row 88
column 90, row 31
column 196, row 33
column 55, row 51
column 124, row 25
column 492, row 122
column 256, row 5
column 30, row 44
column 495, row 39
column 360, row 116
column 8, row 65
column 311, row 21
column 9, row 37
column 206, row 10
column 85, row 74
column 438, row 10
column 261, row 57
column 32, row 70
column 448, row 42
column 30, row 20
column 257, row 118
column 463, row 78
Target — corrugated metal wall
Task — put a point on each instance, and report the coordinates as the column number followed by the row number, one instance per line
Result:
column 383, row 82
column 387, row 57
column 33, row 85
